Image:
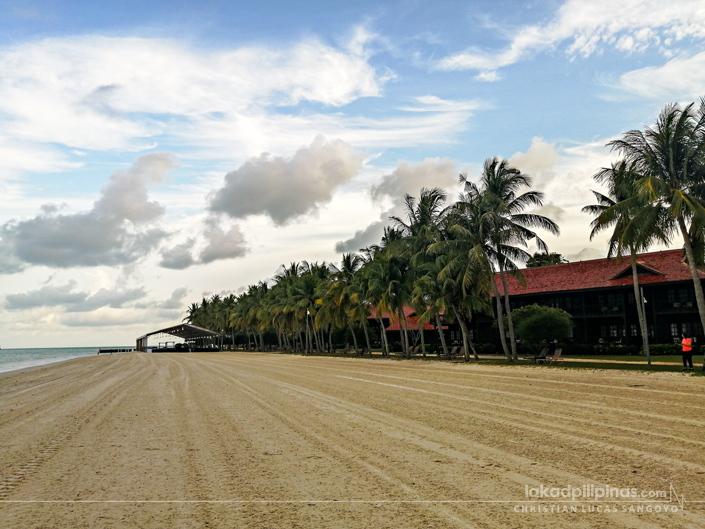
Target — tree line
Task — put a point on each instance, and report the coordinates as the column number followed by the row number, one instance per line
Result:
column 450, row 260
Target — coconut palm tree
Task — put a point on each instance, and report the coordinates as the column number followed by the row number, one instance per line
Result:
column 423, row 227
column 669, row 159
column 506, row 227
column 465, row 274
column 387, row 283
column 635, row 221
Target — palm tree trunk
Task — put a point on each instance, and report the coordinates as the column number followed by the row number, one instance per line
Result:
column 423, row 344
column 467, row 341
column 353, row 335
column 500, row 320
column 403, row 334
column 508, row 309
column 640, row 312
column 367, row 336
column 385, row 344
column 699, row 296
column 439, row 326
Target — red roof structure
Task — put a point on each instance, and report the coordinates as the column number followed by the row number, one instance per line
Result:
column 655, row 267
column 412, row 321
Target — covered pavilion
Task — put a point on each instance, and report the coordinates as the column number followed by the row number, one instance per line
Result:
column 195, row 339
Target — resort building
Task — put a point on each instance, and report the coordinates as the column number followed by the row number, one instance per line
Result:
column 599, row 295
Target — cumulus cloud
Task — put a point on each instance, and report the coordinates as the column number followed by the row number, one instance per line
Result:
column 287, row 188
column 222, row 244
column 213, row 243
column 114, row 299
column 103, row 317
column 175, row 301
column 405, row 179
column 72, row 301
column 586, row 27
column 538, row 161
column 46, row 296
column 179, row 256
column 409, row 179
column 119, row 229
column 372, row 234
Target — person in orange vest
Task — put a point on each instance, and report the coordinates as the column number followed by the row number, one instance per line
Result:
column 687, row 354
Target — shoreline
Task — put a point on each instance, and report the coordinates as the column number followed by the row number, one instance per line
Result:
column 29, row 369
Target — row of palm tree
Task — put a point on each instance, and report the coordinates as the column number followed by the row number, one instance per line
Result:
column 441, row 260
column 451, row 261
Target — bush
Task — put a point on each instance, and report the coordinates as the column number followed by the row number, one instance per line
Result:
column 660, row 349
column 537, row 324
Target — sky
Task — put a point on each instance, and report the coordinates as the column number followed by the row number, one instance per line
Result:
column 152, row 153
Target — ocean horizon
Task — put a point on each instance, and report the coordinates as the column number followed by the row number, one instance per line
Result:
column 14, row 359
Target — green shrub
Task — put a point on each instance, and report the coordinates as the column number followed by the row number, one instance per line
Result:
column 537, row 324
column 659, row 349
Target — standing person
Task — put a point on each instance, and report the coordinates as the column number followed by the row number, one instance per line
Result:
column 687, row 353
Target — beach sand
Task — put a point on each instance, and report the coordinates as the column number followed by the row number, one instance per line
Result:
column 242, row 440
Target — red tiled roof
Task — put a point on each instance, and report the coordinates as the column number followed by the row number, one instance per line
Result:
column 412, row 321
column 599, row 273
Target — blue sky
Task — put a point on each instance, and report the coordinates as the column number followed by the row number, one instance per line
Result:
column 155, row 152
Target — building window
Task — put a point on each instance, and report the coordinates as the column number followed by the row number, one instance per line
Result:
column 614, row 331
column 634, row 329
column 674, row 328
column 603, row 331
column 671, row 295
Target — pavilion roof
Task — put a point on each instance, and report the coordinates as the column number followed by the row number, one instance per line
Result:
column 185, row 331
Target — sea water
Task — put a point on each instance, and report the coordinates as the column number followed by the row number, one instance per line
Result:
column 12, row 359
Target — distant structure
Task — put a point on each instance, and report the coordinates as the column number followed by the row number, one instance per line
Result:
column 196, row 339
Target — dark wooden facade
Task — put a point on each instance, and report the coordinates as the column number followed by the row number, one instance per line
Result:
column 599, row 295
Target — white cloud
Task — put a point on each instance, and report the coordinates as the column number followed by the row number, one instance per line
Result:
column 179, row 256
column 538, row 161
column 64, row 296
column 222, row 244
column 405, row 179
column 46, row 296
column 585, row 27
column 564, row 174
column 94, row 93
column 436, row 104
column 410, row 178
column 287, row 188
column 119, row 228
column 681, row 78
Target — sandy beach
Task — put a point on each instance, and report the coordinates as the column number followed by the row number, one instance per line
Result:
column 243, row 440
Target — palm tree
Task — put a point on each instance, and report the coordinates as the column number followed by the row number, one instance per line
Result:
column 669, row 159
column 465, row 275
column 387, row 281
column 506, row 227
column 636, row 222
column 424, row 225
